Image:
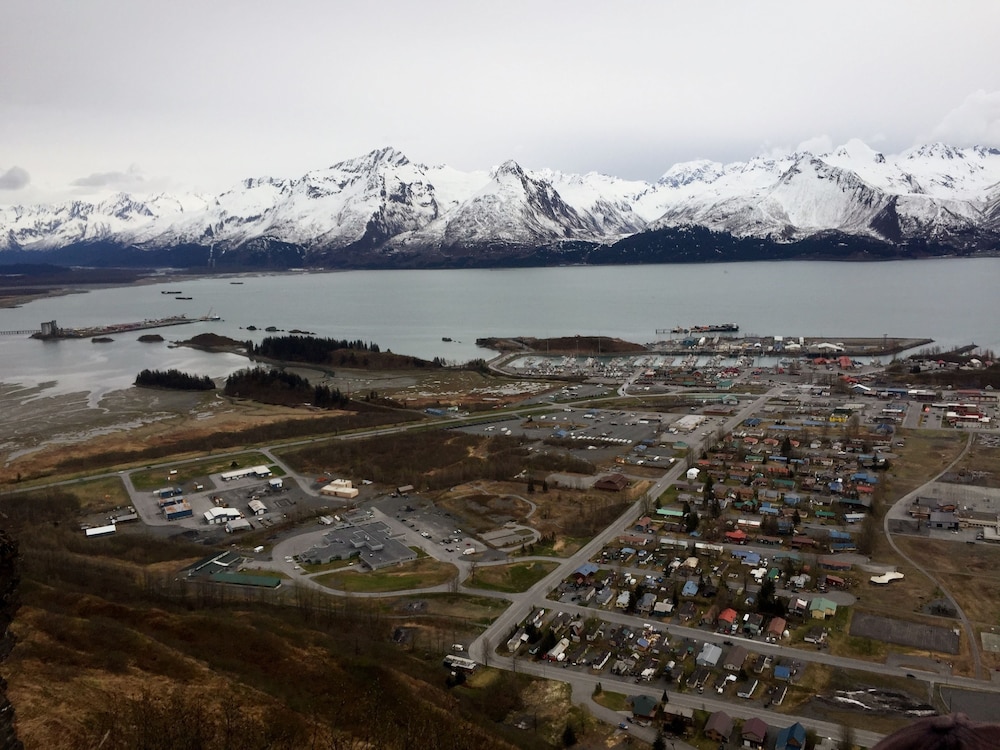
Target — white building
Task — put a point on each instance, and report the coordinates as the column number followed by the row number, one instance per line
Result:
column 258, row 472
column 221, row 515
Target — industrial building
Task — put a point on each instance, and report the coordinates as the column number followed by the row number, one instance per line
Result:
column 221, row 515
column 257, row 472
column 100, row 530
column 178, row 510
column 238, row 524
column 370, row 542
column 342, row 488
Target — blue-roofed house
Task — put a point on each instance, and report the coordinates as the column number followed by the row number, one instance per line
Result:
column 585, row 573
column 690, row 588
column 791, row 738
column 783, row 672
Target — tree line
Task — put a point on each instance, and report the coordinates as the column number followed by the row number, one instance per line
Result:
column 272, row 386
column 174, row 380
column 312, row 349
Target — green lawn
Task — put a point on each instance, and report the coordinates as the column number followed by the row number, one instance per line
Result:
column 614, row 701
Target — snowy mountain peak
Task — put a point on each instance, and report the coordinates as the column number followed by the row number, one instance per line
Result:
column 700, row 170
column 386, row 157
column 857, row 150
column 509, row 168
column 935, row 151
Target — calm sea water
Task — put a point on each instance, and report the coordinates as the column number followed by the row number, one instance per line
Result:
column 953, row 301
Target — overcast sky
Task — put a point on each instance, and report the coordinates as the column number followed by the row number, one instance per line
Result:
column 175, row 95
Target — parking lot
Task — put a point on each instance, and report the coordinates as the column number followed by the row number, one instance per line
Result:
column 432, row 528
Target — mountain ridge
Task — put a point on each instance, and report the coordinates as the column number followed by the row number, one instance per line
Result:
column 382, row 210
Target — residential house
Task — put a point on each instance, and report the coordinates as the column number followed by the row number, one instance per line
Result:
column 791, row 738
column 821, row 608
column 623, row 600
column 719, row 727
column 644, row 524
column 815, row 635
column 735, row 658
column 753, row 622
column 663, row 608
column 699, row 677
column 560, row 622
column 600, row 661
column 776, row 628
column 646, row 603
column 603, row 597
column 710, row 614
column 798, row 607
column 754, row 733
column 761, row 663
column 643, row 707
column 585, row 573
column 782, row 672
column 726, row 618
column 709, row 656
column 690, row 588
column 517, row 640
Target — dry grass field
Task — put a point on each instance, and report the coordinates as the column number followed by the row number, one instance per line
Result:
column 981, row 465
column 421, row 573
column 561, row 516
column 925, row 455
column 968, row 571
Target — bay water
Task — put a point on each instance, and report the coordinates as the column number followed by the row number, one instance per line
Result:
column 953, row 301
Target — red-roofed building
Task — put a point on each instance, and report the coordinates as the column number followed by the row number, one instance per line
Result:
column 612, row 483
column 727, row 617
column 754, row 733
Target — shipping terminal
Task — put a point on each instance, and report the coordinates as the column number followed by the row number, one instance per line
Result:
column 51, row 330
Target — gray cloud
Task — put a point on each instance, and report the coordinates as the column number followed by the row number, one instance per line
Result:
column 109, row 179
column 14, row 178
column 974, row 122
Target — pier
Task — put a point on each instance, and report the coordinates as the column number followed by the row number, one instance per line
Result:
column 29, row 332
column 51, row 330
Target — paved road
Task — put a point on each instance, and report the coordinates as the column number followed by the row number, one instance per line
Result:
column 583, row 684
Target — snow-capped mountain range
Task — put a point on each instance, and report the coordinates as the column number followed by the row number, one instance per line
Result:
column 382, row 210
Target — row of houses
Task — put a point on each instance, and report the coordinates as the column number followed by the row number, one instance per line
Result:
column 720, row 727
